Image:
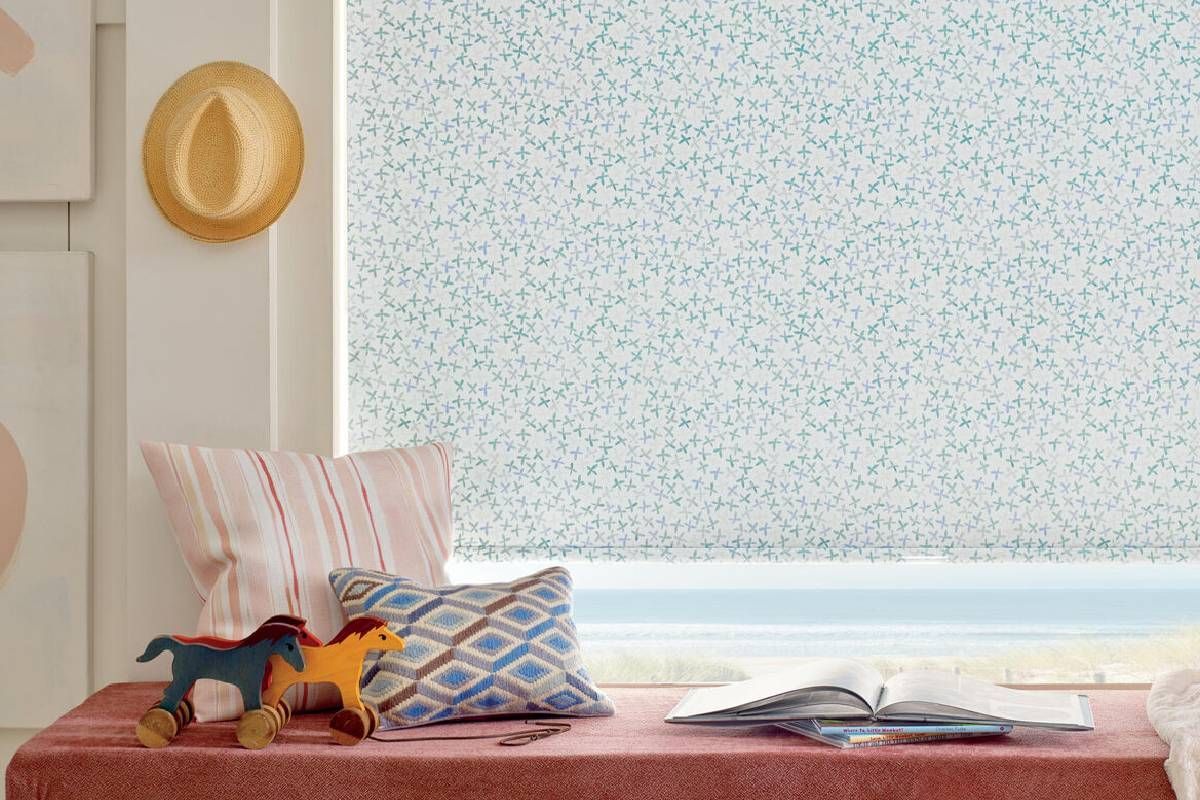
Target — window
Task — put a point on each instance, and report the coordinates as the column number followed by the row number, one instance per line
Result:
column 875, row 282
column 1011, row 623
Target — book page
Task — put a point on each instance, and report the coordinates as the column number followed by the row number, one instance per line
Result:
column 745, row 696
column 942, row 693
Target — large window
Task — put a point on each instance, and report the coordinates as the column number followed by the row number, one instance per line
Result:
column 753, row 282
column 1012, row 623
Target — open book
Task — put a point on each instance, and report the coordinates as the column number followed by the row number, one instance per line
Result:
column 839, row 689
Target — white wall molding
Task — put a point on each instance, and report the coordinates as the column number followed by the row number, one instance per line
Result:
column 340, row 376
column 110, row 12
column 305, row 58
column 98, row 225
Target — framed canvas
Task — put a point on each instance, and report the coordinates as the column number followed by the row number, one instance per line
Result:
column 46, row 99
column 45, row 472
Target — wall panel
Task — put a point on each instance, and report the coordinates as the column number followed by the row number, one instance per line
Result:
column 197, row 314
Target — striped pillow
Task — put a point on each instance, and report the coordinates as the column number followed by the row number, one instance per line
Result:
column 260, row 532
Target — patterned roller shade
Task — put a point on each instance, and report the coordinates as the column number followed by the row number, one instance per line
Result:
column 784, row 280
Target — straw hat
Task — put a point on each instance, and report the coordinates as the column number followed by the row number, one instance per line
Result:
column 223, row 152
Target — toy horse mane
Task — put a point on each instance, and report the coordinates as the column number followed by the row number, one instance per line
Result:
column 307, row 637
column 272, row 631
column 361, row 626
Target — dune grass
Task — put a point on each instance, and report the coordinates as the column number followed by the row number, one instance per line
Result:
column 617, row 666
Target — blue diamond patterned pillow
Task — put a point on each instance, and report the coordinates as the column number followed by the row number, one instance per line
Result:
column 470, row 651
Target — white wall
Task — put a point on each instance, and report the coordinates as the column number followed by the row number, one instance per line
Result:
column 197, row 315
column 230, row 344
column 215, row 344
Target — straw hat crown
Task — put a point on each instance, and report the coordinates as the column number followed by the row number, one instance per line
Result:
column 223, row 152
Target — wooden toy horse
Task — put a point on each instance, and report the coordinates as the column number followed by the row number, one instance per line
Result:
column 307, row 639
column 185, row 712
column 339, row 662
column 242, row 663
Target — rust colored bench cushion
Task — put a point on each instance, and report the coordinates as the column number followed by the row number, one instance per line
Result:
column 92, row 753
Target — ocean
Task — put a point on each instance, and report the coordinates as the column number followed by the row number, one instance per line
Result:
column 916, row 623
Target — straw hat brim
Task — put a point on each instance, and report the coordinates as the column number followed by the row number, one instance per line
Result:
column 283, row 126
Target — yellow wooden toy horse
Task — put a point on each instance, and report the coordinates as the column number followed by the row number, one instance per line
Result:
column 339, row 662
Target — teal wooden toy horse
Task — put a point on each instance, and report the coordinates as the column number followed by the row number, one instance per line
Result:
column 239, row 662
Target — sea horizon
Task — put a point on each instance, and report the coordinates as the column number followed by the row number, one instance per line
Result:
column 801, row 623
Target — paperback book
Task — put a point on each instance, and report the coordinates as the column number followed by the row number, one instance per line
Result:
column 832, row 691
column 853, row 736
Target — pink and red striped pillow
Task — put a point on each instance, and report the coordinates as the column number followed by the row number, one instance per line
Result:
column 260, row 532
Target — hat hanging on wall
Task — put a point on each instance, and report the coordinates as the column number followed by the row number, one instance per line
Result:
column 223, row 152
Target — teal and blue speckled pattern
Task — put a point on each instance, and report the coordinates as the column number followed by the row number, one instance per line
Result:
column 770, row 281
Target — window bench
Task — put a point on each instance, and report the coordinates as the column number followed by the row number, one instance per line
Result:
column 92, row 753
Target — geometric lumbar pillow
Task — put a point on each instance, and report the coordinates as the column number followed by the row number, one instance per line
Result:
column 471, row 651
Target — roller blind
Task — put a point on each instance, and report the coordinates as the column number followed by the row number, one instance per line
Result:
column 783, row 281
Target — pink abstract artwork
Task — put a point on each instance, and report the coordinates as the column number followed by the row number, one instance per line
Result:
column 14, row 487
column 16, row 46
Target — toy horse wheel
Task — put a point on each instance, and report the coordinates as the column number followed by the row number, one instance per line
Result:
column 284, row 708
column 189, row 709
column 185, row 712
column 157, row 727
column 350, row 726
column 257, row 728
column 276, row 715
column 374, row 719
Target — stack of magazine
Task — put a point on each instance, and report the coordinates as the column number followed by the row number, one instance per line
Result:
column 848, row 704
